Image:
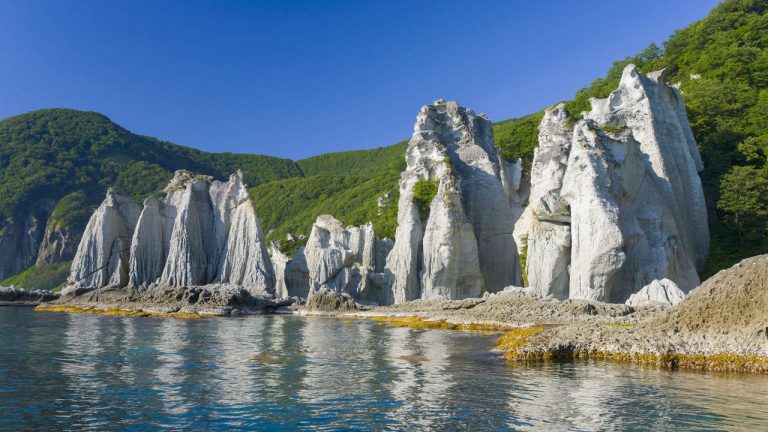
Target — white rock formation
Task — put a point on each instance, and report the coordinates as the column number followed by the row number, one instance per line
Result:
column 659, row 292
column 463, row 245
column 291, row 274
column 655, row 113
column 201, row 233
column 549, row 238
column 345, row 260
column 102, row 255
column 243, row 257
column 616, row 201
column 191, row 252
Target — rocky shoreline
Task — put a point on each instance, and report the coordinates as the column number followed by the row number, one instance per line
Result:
column 720, row 326
column 184, row 302
column 12, row 296
column 608, row 226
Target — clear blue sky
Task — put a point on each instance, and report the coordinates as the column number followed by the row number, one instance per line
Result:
column 300, row 78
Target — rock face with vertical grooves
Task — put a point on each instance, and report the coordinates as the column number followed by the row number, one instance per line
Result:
column 191, row 252
column 102, row 255
column 239, row 243
column 464, row 245
column 203, row 232
column 616, row 201
column 345, row 260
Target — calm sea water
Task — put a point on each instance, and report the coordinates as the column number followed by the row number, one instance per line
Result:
column 62, row 371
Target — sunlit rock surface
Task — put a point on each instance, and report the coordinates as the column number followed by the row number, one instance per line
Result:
column 659, row 292
column 202, row 232
column 463, row 246
column 346, row 260
column 616, row 201
column 102, row 255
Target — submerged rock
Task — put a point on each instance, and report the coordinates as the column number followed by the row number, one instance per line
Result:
column 659, row 292
column 462, row 245
column 616, row 201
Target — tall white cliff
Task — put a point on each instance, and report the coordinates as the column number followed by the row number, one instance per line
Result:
column 102, row 256
column 203, row 232
column 463, row 245
column 616, row 200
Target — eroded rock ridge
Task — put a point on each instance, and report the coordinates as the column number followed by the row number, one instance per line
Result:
column 616, row 201
column 459, row 243
column 202, row 232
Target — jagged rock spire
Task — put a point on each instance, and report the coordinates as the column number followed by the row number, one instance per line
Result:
column 464, row 245
column 102, row 255
column 616, row 200
column 202, row 232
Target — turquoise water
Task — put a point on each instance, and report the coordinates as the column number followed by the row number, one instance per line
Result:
column 61, row 371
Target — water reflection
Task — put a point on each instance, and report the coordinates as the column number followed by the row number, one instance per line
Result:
column 61, row 371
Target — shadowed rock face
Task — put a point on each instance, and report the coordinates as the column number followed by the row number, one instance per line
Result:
column 464, row 245
column 21, row 236
column 616, row 201
column 201, row 233
column 291, row 274
column 59, row 244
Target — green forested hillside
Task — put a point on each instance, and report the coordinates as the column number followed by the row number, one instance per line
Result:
column 356, row 162
column 720, row 63
column 346, row 185
column 52, row 153
column 64, row 160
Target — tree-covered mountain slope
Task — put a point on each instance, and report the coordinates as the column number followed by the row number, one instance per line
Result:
column 59, row 162
column 721, row 66
column 56, row 164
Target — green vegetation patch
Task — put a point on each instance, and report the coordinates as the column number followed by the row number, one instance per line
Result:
column 518, row 138
column 346, row 185
column 41, row 276
column 72, row 212
column 524, row 258
column 356, row 162
column 50, row 153
column 424, row 192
